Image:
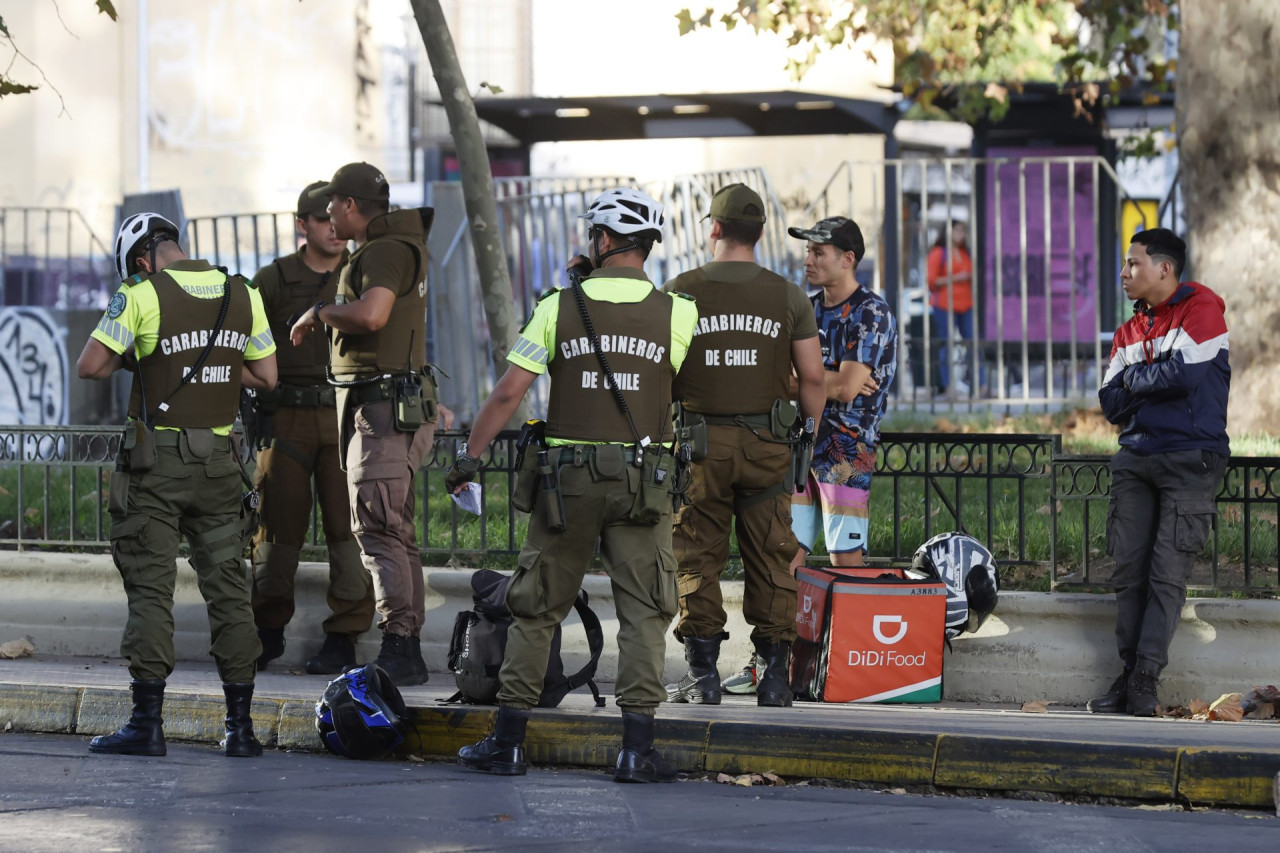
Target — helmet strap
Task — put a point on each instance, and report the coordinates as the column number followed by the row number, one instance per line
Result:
column 595, row 247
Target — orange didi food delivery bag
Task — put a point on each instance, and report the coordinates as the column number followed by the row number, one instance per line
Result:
column 868, row 635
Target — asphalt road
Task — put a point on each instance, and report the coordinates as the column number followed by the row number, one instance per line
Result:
column 55, row 796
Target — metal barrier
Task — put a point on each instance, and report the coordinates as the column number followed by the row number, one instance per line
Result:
column 50, row 258
column 1044, row 242
column 242, row 242
column 1040, row 511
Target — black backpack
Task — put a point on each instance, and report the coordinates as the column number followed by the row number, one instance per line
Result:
column 480, row 640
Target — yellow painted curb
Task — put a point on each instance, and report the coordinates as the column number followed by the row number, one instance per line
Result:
column 1017, row 764
column 868, row 756
column 38, row 709
column 1228, row 777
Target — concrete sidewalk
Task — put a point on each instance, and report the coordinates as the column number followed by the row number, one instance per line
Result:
column 950, row 746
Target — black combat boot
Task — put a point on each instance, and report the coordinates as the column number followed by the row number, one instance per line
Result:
column 701, row 685
column 396, row 659
column 419, row 663
column 335, row 656
column 774, row 690
column 144, row 733
column 240, row 741
column 502, row 752
column 1142, row 691
column 272, row 640
column 1116, row 699
column 638, row 761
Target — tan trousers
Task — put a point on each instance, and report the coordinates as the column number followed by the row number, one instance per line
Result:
column 382, row 464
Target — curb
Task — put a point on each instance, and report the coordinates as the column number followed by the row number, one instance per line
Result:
column 1219, row 776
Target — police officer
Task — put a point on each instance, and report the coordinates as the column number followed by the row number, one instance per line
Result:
column 302, row 444
column 191, row 334
column 385, row 395
column 607, row 478
column 754, row 329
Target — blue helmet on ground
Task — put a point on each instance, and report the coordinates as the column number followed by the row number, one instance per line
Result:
column 361, row 714
column 969, row 571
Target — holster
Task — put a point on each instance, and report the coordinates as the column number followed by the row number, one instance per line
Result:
column 653, row 492
column 138, row 446
column 532, row 438
column 691, row 430
column 782, row 420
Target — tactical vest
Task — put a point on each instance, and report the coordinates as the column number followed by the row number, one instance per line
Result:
column 300, row 288
column 212, row 398
column 636, row 339
column 740, row 358
column 399, row 346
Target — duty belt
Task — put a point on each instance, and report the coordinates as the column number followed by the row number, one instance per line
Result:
column 173, row 438
column 578, row 454
column 306, row 396
column 374, row 392
column 761, row 421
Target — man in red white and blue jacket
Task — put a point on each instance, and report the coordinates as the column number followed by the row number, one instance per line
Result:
column 1166, row 386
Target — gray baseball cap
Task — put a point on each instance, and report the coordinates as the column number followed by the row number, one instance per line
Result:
column 839, row 231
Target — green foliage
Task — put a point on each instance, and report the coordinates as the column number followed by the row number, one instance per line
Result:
column 960, row 47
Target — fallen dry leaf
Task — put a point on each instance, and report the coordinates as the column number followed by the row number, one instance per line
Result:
column 17, row 649
column 773, row 778
column 416, row 759
column 1198, row 706
column 896, row 791
column 1040, row 706
column 745, row 780
column 1227, row 708
column 724, row 778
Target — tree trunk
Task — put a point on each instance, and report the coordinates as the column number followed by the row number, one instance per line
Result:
column 1228, row 122
column 477, row 179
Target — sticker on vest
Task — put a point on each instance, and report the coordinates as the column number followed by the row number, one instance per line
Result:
column 422, row 287
column 117, row 305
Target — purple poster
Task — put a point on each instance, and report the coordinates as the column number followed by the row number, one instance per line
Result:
column 1069, row 293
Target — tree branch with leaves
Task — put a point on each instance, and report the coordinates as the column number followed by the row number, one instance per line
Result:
column 10, row 86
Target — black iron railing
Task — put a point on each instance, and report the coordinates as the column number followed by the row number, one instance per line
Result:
column 1042, row 512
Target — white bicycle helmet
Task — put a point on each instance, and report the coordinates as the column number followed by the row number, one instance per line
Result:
column 134, row 231
column 626, row 211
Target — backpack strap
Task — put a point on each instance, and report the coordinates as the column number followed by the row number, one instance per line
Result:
column 595, row 642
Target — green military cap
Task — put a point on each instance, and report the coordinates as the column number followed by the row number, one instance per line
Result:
column 357, row 180
column 737, row 202
column 312, row 205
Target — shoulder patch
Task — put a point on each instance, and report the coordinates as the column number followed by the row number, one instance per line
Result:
column 684, row 295
column 136, row 278
column 544, row 294
column 117, row 305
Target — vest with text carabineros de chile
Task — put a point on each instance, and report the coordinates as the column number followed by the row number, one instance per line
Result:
column 212, row 397
column 739, row 362
column 395, row 257
column 636, row 340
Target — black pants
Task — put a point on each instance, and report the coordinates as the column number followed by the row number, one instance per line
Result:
column 1161, row 512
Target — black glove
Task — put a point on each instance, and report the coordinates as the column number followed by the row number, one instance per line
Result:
column 463, row 470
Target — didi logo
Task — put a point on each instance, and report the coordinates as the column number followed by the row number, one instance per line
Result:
column 878, row 624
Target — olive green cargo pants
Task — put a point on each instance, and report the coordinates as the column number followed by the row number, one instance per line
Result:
column 197, row 497
column 742, row 477
column 641, row 570
column 305, row 445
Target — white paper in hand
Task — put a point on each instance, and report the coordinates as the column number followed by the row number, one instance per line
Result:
column 469, row 498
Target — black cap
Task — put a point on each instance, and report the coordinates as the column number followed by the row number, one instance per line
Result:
column 839, row 231
column 357, row 180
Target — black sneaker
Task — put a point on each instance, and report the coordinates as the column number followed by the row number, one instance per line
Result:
column 1142, row 694
column 335, row 656
column 272, row 640
column 1115, row 700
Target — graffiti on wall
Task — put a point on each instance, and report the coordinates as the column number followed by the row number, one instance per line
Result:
column 33, row 368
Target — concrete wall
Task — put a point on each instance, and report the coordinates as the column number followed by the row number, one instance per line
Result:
column 1037, row 645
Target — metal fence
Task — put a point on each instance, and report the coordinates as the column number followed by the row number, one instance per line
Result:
column 50, row 258
column 1042, row 512
column 1044, row 240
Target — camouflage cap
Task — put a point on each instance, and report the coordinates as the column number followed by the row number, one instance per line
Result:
column 737, row 202
column 309, row 205
column 357, row 180
column 839, row 231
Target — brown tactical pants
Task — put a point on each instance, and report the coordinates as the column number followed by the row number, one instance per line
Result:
column 306, row 446
column 382, row 464
column 551, row 567
column 729, row 483
column 198, row 498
